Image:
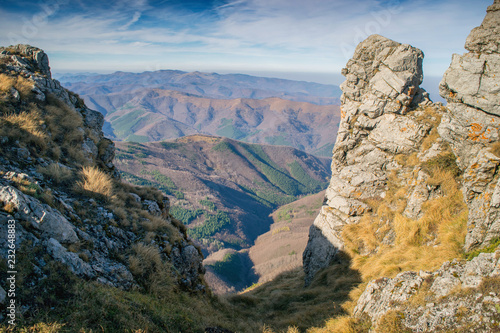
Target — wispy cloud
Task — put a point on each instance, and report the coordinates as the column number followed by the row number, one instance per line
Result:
column 298, row 35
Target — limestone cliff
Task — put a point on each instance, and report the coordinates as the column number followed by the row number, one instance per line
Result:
column 414, row 197
column 71, row 212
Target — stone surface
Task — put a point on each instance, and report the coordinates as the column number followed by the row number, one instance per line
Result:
column 381, row 87
column 447, row 296
column 472, row 124
column 39, row 215
column 70, row 259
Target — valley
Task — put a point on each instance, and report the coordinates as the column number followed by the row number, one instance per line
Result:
column 225, row 191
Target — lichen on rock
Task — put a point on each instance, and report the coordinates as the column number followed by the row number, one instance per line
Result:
column 382, row 85
column 472, row 126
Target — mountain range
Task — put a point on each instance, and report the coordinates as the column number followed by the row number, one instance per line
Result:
column 155, row 106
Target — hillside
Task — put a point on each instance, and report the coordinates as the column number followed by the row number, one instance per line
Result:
column 223, row 190
column 85, row 250
column 168, row 104
column 274, row 252
column 280, row 249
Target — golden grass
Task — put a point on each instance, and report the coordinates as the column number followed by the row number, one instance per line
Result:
column 22, row 85
column 281, row 229
column 391, row 322
column 26, row 127
column 95, row 182
column 342, row 324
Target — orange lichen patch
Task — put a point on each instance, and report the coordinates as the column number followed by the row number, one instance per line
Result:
column 404, row 129
column 357, row 194
column 342, row 113
column 476, row 134
column 476, row 127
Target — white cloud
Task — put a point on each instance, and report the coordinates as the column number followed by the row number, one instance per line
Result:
column 300, row 35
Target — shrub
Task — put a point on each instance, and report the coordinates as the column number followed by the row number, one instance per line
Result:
column 95, row 182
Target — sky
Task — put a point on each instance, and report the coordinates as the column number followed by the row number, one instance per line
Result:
column 298, row 39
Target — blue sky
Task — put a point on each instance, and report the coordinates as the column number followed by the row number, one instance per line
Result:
column 301, row 39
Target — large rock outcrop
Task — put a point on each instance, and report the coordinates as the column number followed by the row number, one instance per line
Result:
column 382, row 85
column 461, row 295
column 471, row 126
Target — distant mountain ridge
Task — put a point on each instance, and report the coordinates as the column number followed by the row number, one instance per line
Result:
column 155, row 115
column 246, row 181
column 211, row 85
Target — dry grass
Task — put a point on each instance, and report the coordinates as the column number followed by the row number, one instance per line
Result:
column 392, row 322
column 422, row 244
column 95, row 182
column 57, row 173
column 22, row 85
column 25, row 127
column 145, row 259
column 343, row 324
column 495, row 148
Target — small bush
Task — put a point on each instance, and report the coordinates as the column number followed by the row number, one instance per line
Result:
column 95, row 182
column 26, row 127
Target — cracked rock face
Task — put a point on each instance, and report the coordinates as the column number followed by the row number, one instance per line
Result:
column 444, row 307
column 382, row 85
column 472, row 125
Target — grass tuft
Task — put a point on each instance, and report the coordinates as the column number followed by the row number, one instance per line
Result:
column 95, row 182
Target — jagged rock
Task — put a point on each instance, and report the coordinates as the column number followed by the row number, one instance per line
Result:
column 472, row 125
column 189, row 263
column 381, row 295
column 33, row 58
column 444, row 303
column 152, row 207
column 40, row 216
column 382, row 83
column 70, row 259
column 484, row 39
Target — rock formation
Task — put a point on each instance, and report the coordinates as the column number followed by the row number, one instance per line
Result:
column 471, row 126
column 382, row 83
column 49, row 139
column 386, row 140
column 450, row 298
